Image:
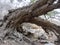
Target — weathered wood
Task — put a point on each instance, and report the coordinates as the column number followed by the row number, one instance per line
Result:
column 45, row 24
column 28, row 13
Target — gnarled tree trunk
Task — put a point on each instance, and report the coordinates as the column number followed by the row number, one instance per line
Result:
column 30, row 14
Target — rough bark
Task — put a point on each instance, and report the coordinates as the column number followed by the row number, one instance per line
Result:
column 45, row 24
column 27, row 14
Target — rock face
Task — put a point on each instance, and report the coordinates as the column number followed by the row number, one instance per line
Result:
column 33, row 28
column 38, row 32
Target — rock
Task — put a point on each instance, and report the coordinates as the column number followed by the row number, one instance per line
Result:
column 52, row 37
column 50, row 44
column 36, row 30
